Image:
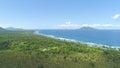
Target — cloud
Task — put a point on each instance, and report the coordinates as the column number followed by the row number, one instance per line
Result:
column 3, row 25
column 116, row 16
column 17, row 25
column 98, row 25
column 70, row 25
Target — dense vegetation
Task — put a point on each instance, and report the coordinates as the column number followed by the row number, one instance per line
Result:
column 23, row 49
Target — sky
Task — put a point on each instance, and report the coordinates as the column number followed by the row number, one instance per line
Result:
column 60, row 14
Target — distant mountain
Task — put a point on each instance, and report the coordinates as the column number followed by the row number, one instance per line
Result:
column 2, row 28
column 12, row 28
column 87, row 28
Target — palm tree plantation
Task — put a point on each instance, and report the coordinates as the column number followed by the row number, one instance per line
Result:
column 24, row 49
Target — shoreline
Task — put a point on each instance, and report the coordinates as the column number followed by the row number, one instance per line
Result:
column 82, row 42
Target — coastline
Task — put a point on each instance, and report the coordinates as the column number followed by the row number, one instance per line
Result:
column 82, row 42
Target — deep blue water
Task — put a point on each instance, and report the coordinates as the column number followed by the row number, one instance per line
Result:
column 105, row 37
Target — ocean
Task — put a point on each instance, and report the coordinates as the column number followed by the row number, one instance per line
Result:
column 102, row 37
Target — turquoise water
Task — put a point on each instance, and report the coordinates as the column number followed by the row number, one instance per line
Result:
column 104, row 37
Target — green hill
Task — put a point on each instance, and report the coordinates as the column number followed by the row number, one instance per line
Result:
column 23, row 49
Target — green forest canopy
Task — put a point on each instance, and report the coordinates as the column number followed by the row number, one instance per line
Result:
column 24, row 49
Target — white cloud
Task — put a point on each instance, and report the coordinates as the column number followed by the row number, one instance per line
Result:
column 3, row 25
column 116, row 16
column 25, row 26
column 69, row 25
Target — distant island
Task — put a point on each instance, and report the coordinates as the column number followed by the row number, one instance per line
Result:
column 1, row 28
column 13, row 28
column 87, row 28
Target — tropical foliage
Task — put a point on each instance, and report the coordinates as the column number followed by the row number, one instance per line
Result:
column 24, row 49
